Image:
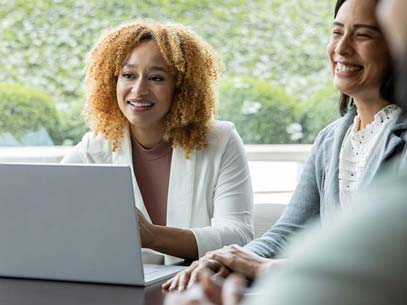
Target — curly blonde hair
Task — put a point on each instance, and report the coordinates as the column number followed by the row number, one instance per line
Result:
column 193, row 62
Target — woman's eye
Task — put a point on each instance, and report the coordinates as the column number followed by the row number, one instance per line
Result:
column 157, row 78
column 364, row 35
column 127, row 75
column 336, row 33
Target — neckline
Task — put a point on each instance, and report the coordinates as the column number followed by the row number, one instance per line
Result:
column 159, row 151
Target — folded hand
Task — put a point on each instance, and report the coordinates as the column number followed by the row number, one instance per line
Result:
column 210, row 291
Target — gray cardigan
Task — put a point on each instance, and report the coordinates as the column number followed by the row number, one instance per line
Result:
column 317, row 192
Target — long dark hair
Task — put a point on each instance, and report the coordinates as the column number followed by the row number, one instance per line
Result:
column 386, row 89
column 401, row 88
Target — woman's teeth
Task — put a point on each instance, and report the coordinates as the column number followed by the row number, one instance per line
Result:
column 140, row 104
column 347, row 68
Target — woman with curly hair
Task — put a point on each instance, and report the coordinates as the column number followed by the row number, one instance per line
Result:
column 151, row 104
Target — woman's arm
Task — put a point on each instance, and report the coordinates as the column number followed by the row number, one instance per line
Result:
column 303, row 207
column 232, row 206
column 171, row 241
column 232, row 220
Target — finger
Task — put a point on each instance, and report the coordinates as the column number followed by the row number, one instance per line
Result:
column 195, row 274
column 168, row 283
column 224, row 259
column 183, row 280
column 194, row 296
column 174, row 283
column 175, row 298
column 235, row 263
column 222, row 272
column 211, row 288
column 194, row 278
column 233, row 290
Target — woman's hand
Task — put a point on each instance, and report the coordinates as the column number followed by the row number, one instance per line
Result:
column 190, row 275
column 210, row 291
column 147, row 231
column 241, row 260
column 167, row 240
column 221, row 262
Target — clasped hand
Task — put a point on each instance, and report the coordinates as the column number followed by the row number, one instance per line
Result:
column 222, row 262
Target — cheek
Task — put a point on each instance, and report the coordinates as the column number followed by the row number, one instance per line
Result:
column 379, row 61
column 120, row 90
column 330, row 52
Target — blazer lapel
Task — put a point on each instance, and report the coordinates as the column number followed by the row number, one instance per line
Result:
column 124, row 156
column 181, row 189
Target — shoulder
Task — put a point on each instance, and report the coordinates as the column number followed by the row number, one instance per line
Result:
column 95, row 143
column 221, row 132
column 222, row 137
column 332, row 128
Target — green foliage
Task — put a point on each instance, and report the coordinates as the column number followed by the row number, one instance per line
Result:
column 24, row 109
column 261, row 112
column 321, row 109
column 73, row 125
column 44, row 42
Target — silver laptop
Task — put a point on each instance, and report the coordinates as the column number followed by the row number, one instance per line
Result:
column 74, row 223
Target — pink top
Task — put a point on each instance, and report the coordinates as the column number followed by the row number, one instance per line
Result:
column 152, row 171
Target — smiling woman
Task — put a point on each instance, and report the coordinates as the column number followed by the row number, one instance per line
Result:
column 359, row 58
column 151, row 104
column 345, row 157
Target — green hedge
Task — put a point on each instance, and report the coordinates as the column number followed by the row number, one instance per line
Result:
column 261, row 112
column 318, row 111
column 26, row 109
column 43, row 43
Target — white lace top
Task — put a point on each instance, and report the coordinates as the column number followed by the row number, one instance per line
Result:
column 357, row 149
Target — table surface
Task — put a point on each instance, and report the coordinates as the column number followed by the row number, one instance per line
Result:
column 41, row 292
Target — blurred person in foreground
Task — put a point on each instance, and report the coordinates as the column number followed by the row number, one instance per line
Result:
column 347, row 154
column 362, row 257
column 151, row 104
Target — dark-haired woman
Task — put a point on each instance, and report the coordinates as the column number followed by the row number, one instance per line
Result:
column 346, row 155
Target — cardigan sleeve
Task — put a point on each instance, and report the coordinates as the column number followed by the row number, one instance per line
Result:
column 232, row 221
column 303, row 207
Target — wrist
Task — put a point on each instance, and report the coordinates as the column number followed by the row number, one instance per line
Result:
column 153, row 236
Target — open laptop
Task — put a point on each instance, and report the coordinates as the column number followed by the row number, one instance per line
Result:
column 74, row 223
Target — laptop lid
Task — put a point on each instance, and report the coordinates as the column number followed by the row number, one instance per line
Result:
column 69, row 222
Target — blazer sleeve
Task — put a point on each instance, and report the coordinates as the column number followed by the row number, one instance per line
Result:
column 232, row 221
column 93, row 148
column 303, row 207
column 78, row 153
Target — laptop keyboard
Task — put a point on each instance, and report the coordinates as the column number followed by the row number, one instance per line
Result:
column 160, row 271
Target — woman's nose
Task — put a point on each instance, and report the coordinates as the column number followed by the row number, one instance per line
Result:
column 140, row 88
column 344, row 46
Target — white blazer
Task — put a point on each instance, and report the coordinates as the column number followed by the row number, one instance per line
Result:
column 210, row 193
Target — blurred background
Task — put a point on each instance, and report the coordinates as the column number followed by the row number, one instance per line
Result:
column 276, row 87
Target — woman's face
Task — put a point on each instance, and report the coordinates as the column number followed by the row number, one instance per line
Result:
column 145, row 88
column 357, row 51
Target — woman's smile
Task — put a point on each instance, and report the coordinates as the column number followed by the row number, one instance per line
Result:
column 343, row 69
column 139, row 105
